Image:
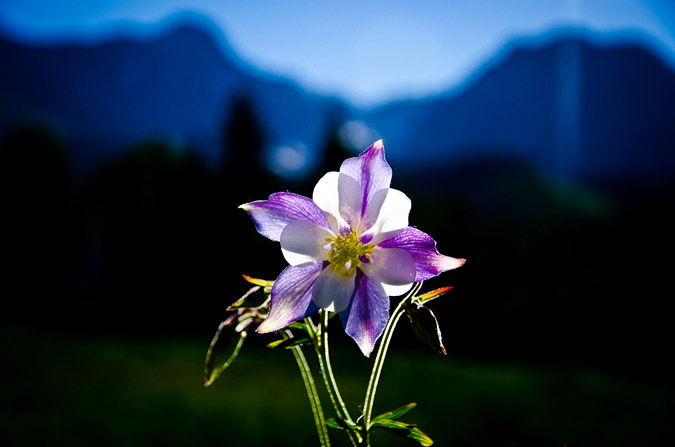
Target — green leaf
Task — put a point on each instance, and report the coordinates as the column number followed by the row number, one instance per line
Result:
column 341, row 424
column 289, row 342
column 397, row 413
column 301, row 326
column 432, row 295
column 333, row 423
column 253, row 299
column 404, row 430
column 223, row 349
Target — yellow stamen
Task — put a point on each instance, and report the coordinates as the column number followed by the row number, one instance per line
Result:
column 346, row 252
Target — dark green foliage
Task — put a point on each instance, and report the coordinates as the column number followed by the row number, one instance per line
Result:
column 41, row 230
column 66, row 390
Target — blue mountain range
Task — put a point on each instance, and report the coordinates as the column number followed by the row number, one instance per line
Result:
column 566, row 104
column 176, row 87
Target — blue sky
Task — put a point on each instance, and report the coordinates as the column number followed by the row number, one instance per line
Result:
column 365, row 51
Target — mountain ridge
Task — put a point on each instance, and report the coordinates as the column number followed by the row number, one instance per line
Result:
column 175, row 86
column 569, row 98
column 538, row 99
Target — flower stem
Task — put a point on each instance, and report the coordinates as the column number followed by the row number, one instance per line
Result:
column 312, row 394
column 379, row 359
column 322, row 351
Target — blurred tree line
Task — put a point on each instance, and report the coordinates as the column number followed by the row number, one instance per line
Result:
column 152, row 243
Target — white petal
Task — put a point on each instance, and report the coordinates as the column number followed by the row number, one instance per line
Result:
column 396, row 290
column 351, row 198
column 333, row 291
column 392, row 214
column 304, row 242
column 327, row 197
column 340, row 197
column 394, row 268
column 373, row 208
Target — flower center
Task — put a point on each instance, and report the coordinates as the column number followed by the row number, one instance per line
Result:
column 346, row 252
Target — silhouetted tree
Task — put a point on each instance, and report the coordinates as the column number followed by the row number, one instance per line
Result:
column 39, row 225
column 157, row 222
column 244, row 178
column 243, row 164
column 333, row 152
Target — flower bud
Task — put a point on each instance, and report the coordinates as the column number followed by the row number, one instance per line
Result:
column 425, row 325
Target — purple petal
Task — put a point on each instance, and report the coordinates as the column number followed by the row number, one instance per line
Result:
column 291, row 298
column 272, row 215
column 428, row 261
column 367, row 315
column 371, row 170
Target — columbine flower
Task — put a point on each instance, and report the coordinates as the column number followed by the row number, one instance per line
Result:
column 349, row 248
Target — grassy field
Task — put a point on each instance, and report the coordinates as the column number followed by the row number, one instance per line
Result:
column 95, row 391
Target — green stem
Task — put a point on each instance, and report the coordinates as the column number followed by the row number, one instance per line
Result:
column 322, row 351
column 312, row 394
column 379, row 359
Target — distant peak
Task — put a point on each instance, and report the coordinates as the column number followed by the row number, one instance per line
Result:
column 564, row 34
column 187, row 23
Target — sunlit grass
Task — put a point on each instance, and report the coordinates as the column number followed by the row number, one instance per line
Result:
column 63, row 390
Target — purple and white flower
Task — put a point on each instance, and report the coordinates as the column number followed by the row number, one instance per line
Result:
column 349, row 248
